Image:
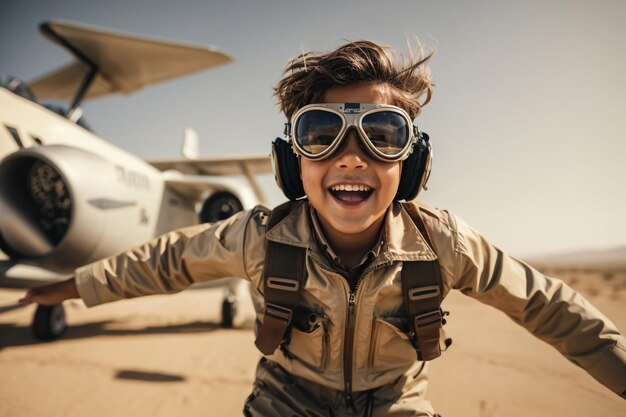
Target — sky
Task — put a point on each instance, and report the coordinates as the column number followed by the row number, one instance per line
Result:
column 527, row 120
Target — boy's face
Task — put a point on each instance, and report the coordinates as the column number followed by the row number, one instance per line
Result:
column 344, row 212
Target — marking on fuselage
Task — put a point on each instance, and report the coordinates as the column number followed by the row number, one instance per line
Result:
column 143, row 216
column 109, row 204
column 132, row 179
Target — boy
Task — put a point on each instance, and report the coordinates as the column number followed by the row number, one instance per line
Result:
column 338, row 322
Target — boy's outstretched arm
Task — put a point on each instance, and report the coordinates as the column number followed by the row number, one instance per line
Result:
column 51, row 294
column 546, row 307
column 167, row 264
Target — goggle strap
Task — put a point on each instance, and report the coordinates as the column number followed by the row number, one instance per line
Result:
column 287, row 131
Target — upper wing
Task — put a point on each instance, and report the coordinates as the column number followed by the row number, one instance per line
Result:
column 125, row 63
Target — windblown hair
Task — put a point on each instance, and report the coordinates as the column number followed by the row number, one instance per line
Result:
column 309, row 75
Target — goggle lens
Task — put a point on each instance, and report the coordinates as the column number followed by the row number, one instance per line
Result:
column 387, row 131
column 316, row 130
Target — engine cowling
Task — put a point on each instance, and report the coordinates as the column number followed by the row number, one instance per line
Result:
column 65, row 206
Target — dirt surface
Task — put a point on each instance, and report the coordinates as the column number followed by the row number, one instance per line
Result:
column 166, row 356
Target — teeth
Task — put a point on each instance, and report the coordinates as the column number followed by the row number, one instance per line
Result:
column 350, row 187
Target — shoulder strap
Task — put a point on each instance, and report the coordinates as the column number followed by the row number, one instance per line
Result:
column 422, row 289
column 284, row 277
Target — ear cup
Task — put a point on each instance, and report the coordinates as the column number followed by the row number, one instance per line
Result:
column 286, row 169
column 415, row 170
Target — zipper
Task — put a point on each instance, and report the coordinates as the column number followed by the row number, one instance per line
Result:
column 347, row 348
column 349, row 333
column 350, row 322
column 348, row 338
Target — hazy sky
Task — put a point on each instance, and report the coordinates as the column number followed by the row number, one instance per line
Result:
column 527, row 121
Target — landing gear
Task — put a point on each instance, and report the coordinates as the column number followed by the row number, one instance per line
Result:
column 49, row 322
column 229, row 309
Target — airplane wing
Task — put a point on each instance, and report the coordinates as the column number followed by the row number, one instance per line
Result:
column 22, row 275
column 125, row 63
column 247, row 166
column 257, row 164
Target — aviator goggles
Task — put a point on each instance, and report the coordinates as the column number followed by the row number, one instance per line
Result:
column 387, row 132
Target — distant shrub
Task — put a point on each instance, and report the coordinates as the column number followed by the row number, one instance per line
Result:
column 608, row 275
column 593, row 291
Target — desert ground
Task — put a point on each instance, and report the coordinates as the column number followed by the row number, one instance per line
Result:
column 166, row 356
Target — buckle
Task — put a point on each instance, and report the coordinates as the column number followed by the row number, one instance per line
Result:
column 279, row 312
column 283, row 284
column 419, row 293
column 427, row 320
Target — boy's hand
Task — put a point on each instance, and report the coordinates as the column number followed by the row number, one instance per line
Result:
column 51, row 294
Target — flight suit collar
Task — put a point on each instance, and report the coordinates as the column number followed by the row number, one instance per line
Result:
column 401, row 238
column 325, row 247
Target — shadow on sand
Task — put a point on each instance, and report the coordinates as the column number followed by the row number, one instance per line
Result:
column 135, row 375
column 12, row 335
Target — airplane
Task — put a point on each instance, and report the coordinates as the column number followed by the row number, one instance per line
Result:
column 68, row 197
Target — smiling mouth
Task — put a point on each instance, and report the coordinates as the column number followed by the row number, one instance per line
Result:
column 351, row 193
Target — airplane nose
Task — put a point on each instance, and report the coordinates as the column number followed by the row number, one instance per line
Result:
column 20, row 234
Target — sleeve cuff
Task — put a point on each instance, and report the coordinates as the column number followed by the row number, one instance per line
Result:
column 85, row 285
column 610, row 370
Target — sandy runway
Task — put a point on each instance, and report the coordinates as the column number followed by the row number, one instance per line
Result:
column 165, row 356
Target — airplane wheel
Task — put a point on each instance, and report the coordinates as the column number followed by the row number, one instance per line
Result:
column 229, row 310
column 49, row 322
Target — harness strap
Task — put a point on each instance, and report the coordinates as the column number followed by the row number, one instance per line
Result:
column 422, row 289
column 422, row 300
column 284, row 277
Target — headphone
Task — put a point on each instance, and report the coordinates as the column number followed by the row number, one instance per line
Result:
column 413, row 178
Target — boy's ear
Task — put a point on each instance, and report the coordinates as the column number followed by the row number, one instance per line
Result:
column 287, row 169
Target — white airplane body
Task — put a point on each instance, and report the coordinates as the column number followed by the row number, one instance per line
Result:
column 68, row 198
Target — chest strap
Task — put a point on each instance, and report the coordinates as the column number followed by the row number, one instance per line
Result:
column 422, row 290
column 422, row 300
column 284, row 277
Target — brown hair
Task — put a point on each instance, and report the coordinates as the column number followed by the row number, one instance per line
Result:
column 310, row 74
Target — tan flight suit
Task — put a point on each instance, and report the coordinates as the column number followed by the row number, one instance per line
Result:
column 308, row 376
